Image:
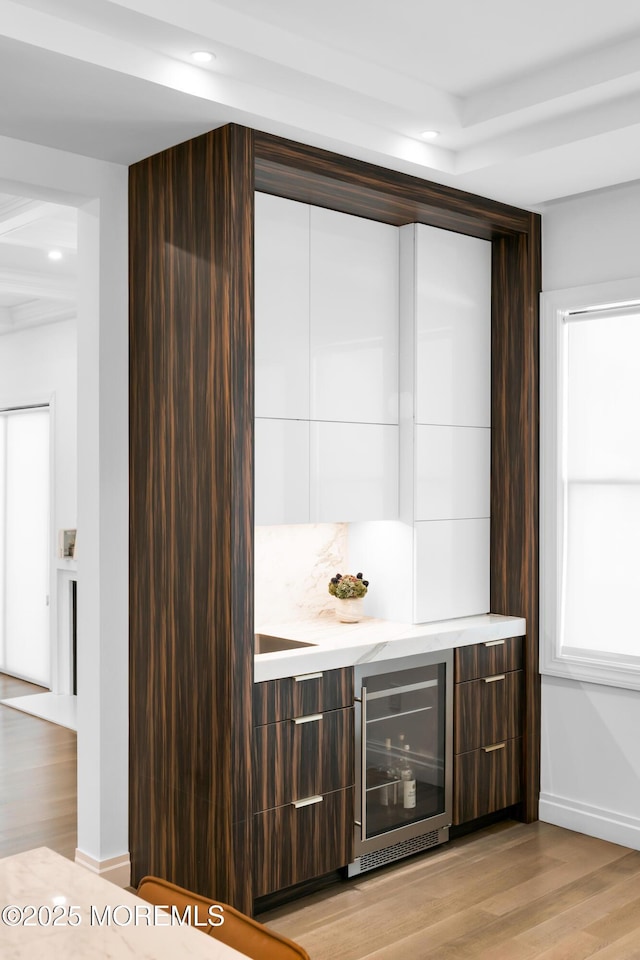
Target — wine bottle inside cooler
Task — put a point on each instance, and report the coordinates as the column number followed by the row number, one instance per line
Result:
column 389, row 793
column 408, row 778
column 383, row 792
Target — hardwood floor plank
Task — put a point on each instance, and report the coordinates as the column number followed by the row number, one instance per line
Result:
column 13, row 687
column 616, row 925
column 37, row 779
column 537, row 912
column 625, row 948
column 511, row 892
column 586, row 912
column 574, row 946
column 545, row 882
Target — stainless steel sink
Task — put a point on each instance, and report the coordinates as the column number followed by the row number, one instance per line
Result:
column 266, row 644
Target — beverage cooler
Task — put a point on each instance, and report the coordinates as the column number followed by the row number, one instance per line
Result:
column 404, row 716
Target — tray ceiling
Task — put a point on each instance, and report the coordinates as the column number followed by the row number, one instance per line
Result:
column 533, row 102
column 35, row 289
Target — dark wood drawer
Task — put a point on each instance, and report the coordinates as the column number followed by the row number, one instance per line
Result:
column 486, row 780
column 487, row 659
column 292, row 845
column 487, row 711
column 276, row 700
column 295, row 759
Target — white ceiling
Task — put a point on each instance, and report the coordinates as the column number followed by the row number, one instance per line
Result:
column 533, row 101
column 33, row 288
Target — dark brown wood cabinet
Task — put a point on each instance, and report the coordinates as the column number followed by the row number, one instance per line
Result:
column 293, row 844
column 488, row 711
column 303, row 764
column 300, row 696
column 488, row 659
column 191, row 473
column 488, row 726
column 487, row 780
column 302, row 757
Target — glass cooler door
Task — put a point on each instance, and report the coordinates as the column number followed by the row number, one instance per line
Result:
column 404, row 747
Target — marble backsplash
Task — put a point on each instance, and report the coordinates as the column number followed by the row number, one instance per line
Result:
column 293, row 566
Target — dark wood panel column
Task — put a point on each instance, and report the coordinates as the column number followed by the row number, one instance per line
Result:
column 191, row 555
column 515, row 465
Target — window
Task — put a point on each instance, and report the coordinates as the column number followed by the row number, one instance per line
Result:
column 24, row 543
column 590, row 484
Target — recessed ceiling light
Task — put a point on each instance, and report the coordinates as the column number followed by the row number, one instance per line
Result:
column 430, row 134
column 202, row 56
column 54, row 255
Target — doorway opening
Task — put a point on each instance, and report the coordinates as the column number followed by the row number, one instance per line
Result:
column 25, row 493
column 38, row 447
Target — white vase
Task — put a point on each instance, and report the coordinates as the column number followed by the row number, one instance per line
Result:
column 350, row 611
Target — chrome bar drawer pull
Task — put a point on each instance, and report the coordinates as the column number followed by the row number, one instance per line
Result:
column 496, row 746
column 494, row 643
column 307, row 802
column 312, row 718
column 498, row 676
column 308, row 676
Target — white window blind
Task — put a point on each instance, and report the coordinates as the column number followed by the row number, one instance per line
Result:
column 590, row 549
column 601, row 480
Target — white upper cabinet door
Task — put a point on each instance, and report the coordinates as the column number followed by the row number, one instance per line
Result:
column 453, row 328
column 453, row 472
column 451, row 569
column 354, row 472
column 354, row 319
column 281, row 471
column 281, row 307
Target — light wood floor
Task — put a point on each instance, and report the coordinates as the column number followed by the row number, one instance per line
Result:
column 512, row 892
column 37, row 779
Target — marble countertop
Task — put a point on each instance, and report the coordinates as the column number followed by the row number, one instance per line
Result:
column 347, row 644
column 43, row 879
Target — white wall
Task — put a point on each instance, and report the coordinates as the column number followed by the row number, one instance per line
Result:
column 37, row 364
column 592, row 238
column 590, row 744
column 99, row 190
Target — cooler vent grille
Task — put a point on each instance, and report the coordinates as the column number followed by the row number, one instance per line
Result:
column 378, row 858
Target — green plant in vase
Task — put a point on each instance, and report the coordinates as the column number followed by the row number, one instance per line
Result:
column 349, row 591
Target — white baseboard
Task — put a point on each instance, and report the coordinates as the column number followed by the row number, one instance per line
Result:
column 117, row 869
column 593, row 821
